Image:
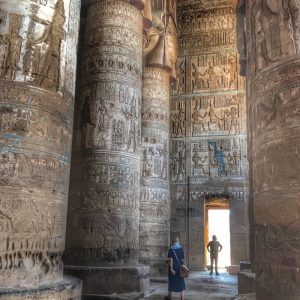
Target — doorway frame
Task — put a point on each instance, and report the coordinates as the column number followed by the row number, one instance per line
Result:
column 216, row 203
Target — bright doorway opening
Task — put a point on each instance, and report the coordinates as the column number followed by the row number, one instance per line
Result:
column 218, row 223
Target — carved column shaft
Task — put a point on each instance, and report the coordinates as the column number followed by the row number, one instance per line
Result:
column 38, row 45
column 154, row 202
column 104, row 206
column 274, row 101
column 103, row 218
column 160, row 53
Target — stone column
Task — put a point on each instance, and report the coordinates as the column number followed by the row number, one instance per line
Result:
column 38, row 45
column 273, row 104
column 160, row 43
column 155, row 198
column 103, row 217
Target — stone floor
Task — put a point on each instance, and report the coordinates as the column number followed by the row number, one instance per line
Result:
column 200, row 286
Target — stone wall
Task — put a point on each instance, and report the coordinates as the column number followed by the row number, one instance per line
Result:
column 208, row 129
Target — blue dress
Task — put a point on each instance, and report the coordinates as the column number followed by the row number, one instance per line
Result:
column 176, row 283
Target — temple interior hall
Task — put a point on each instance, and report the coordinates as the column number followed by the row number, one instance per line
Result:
column 133, row 128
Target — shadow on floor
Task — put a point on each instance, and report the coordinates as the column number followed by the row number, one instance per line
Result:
column 200, row 286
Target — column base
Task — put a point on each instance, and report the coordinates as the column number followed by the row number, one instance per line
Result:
column 246, row 282
column 100, row 282
column 68, row 289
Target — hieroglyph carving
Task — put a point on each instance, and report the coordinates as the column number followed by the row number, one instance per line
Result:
column 274, row 32
column 106, row 146
column 35, row 137
column 218, row 114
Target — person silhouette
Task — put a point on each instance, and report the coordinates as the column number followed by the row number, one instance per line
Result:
column 214, row 247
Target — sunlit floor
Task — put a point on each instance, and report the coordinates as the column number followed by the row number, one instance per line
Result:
column 200, row 286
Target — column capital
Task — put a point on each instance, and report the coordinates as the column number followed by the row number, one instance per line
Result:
column 160, row 42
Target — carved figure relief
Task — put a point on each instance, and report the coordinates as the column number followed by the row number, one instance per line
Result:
column 214, row 72
column 275, row 31
column 132, row 116
column 178, row 120
column 216, row 158
column 217, row 114
column 43, row 52
column 178, row 161
column 155, row 162
column 10, row 48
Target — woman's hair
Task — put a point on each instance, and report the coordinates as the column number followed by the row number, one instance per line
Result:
column 175, row 240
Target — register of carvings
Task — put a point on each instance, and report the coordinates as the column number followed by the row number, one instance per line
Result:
column 273, row 42
column 160, row 45
column 37, row 77
column 104, row 198
column 208, row 116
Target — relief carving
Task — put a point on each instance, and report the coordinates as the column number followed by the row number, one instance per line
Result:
column 10, row 48
column 275, row 31
column 215, row 72
column 43, row 54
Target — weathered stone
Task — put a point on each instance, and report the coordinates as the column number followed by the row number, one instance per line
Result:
column 67, row 289
column 246, row 282
column 103, row 220
column 273, row 105
column 160, row 53
column 38, row 45
column 155, row 197
column 208, row 157
column 233, row 269
column 100, row 281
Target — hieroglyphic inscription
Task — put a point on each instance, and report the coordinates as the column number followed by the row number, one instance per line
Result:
column 105, row 195
column 35, row 137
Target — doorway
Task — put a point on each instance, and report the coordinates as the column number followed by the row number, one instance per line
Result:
column 218, row 223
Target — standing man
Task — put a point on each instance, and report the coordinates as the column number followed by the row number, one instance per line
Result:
column 214, row 247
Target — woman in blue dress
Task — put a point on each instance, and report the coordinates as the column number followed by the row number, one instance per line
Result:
column 176, row 283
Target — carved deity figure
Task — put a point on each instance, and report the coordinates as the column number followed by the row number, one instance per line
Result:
column 199, row 163
column 180, row 78
column 233, row 122
column 85, row 118
column 8, row 167
column 102, row 113
column 179, row 165
column 147, row 164
column 10, row 48
column 276, row 31
column 231, row 73
column 164, row 161
column 54, row 34
column 208, row 79
column 213, row 118
column 232, row 162
column 160, row 40
column 198, row 118
column 180, row 129
column 132, row 116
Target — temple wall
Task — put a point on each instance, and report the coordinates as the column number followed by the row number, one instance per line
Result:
column 208, row 129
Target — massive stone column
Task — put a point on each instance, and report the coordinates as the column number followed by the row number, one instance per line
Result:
column 160, row 42
column 38, row 44
column 155, row 203
column 273, row 106
column 103, row 217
